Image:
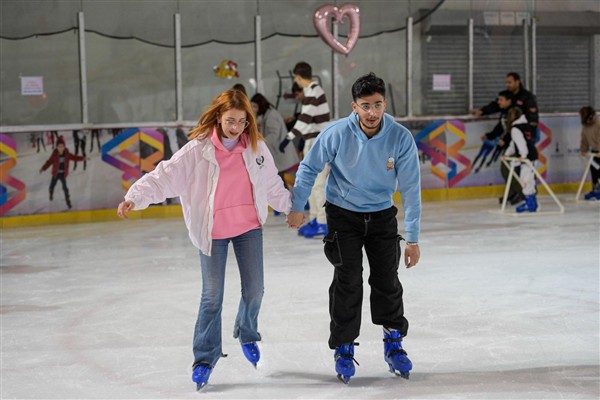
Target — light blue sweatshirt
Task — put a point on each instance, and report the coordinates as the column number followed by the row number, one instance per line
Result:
column 365, row 172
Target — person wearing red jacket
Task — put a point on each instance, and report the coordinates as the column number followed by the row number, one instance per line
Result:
column 59, row 160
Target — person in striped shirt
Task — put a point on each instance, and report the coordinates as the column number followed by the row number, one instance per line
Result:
column 314, row 117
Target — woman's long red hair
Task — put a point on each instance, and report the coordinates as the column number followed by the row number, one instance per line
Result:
column 228, row 100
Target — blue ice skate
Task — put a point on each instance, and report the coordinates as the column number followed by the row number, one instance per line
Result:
column 530, row 204
column 593, row 195
column 315, row 230
column 344, row 362
column 394, row 354
column 201, row 374
column 309, row 225
column 252, row 352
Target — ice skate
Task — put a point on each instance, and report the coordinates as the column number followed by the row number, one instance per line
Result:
column 251, row 352
column 530, row 204
column 201, row 374
column 303, row 228
column 315, row 230
column 344, row 362
column 594, row 194
column 394, row 354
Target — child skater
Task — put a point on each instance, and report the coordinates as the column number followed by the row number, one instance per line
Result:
column 225, row 178
column 522, row 145
column 59, row 159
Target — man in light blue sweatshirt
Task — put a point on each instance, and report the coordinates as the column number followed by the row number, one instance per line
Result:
column 370, row 156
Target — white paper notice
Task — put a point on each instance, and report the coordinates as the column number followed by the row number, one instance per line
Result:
column 442, row 82
column 32, row 85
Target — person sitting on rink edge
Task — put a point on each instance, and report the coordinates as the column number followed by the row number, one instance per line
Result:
column 497, row 135
column 527, row 102
column 226, row 179
column 590, row 142
column 370, row 155
column 522, row 145
column 522, row 98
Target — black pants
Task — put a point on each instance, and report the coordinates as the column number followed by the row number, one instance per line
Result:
column 595, row 173
column 348, row 233
column 515, row 186
column 60, row 176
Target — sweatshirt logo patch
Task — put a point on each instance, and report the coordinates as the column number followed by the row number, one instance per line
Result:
column 260, row 160
column 390, row 163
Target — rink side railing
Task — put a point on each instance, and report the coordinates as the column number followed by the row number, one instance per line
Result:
column 447, row 147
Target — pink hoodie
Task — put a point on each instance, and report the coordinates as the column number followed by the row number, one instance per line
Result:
column 234, row 209
column 193, row 174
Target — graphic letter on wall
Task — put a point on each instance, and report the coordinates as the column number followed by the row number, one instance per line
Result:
column 12, row 190
column 434, row 140
column 134, row 151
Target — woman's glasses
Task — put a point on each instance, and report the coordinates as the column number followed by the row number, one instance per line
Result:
column 231, row 124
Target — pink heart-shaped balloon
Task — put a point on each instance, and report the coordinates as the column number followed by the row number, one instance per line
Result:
column 321, row 22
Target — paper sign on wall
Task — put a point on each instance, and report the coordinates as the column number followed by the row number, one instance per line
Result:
column 32, row 85
column 441, row 82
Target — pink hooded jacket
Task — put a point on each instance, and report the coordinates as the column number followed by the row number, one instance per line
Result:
column 192, row 174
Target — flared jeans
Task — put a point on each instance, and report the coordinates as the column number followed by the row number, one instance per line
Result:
column 248, row 249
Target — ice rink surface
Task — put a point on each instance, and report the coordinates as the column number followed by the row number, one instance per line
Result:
column 500, row 307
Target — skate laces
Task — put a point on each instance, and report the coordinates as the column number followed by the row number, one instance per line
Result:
column 349, row 354
column 395, row 347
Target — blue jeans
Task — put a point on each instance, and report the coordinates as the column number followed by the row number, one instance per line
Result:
column 248, row 248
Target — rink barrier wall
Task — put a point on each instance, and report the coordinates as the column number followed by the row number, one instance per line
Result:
column 174, row 211
column 450, row 163
column 80, row 217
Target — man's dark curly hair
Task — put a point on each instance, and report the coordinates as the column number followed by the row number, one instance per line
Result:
column 368, row 85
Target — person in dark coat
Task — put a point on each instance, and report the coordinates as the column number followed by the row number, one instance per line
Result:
column 522, row 98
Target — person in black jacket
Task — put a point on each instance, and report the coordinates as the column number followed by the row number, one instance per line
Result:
column 496, row 136
column 523, row 99
column 527, row 103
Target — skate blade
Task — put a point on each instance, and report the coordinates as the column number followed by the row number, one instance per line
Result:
column 404, row 375
column 344, row 379
column 201, row 386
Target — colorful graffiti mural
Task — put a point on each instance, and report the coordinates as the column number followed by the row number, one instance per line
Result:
column 442, row 141
column 542, row 143
column 139, row 151
column 12, row 190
